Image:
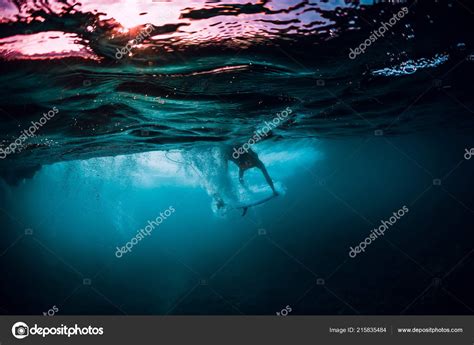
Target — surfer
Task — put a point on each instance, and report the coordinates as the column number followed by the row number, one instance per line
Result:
column 211, row 164
column 246, row 160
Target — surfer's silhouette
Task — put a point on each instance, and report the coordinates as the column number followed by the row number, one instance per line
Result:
column 245, row 160
column 210, row 163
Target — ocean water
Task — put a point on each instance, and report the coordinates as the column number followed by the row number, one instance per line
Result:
column 124, row 199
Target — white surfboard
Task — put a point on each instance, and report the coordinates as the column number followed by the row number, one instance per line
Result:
column 244, row 206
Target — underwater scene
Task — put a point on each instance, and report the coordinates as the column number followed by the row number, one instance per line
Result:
column 236, row 157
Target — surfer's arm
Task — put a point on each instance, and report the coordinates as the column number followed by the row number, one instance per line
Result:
column 241, row 175
column 267, row 176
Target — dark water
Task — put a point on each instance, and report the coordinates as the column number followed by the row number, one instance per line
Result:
column 135, row 135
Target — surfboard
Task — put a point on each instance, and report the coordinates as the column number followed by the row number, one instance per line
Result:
column 245, row 206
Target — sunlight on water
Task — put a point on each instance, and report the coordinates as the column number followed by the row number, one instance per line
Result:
column 44, row 45
column 106, row 23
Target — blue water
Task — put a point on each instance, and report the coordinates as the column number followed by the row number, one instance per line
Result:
column 198, row 263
